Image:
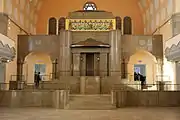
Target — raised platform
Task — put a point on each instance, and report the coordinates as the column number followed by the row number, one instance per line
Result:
column 83, row 84
column 90, row 102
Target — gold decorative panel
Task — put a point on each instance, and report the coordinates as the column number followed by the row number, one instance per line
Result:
column 90, row 24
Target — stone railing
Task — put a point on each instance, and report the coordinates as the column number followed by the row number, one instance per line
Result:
column 122, row 98
column 34, row 98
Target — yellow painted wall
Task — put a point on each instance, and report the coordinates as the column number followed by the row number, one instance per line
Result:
column 145, row 58
column 31, row 60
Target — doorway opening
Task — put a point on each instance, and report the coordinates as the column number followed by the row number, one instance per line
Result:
column 89, row 64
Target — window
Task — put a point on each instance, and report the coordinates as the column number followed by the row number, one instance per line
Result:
column 42, row 69
column 9, row 6
column 156, row 4
column 21, row 18
column 127, row 25
column 15, row 13
column 22, row 4
column 151, row 9
column 163, row 14
column 118, row 23
column 90, row 6
column 52, row 26
column 157, row 19
column 61, row 24
column 170, row 7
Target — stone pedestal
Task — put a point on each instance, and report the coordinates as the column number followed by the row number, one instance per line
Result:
column 82, row 84
column 60, row 99
column 90, row 85
column 76, row 64
column 160, row 85
column 104, row 65
column 121, row 98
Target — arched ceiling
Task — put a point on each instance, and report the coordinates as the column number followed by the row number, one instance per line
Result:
column 58, row 8
column 146, row 14
column 38, row 3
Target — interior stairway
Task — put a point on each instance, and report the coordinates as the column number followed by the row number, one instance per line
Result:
column 90, row 102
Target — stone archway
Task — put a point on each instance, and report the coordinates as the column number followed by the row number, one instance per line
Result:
column 146, row 61
column 42, row 60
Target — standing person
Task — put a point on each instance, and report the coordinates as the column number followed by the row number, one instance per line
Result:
column 38, row 79
column 35, row 78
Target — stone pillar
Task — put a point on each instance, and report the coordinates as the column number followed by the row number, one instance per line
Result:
column 76, row 64
column 19, row 77
column 160, row 69
column 54, row 69
column 160, row 77
column 124, row 67
column 177, row 71
column 20, row 63
column 121, row 98
column 3, row 23
column 103, row 64
column 82, row 84
column 96, row 64
column 115, row 53
column 82, row 64
column 65, row 53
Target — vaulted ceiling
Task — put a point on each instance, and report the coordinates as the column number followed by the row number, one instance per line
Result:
column 146, row 14
column 38, row 3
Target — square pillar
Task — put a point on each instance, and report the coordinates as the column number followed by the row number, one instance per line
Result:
column 76, row 64
column 83, row 64
column 104, row 64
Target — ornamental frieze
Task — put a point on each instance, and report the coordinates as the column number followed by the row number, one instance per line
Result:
column 90, row 24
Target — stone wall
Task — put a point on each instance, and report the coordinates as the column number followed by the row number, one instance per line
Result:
column 3, row 23
column 37, row 98
column 82, row 36
column 78, row 84
column 146, row 98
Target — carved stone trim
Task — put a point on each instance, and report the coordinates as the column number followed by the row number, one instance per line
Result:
column 173, row 53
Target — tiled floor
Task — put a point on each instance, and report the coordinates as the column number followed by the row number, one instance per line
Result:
column 120, row 114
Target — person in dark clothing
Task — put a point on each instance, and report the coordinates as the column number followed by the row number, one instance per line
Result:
column 135, row 76
column 38, row 79
column 143, row 80
column 35, row 78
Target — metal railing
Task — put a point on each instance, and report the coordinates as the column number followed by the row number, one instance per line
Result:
column 147, row 87
column 43, row 85
column 49, row 85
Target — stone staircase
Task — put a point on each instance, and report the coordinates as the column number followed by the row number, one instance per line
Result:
column 90, row 102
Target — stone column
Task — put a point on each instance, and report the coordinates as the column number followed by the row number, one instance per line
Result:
column 160, row 69
column 124, row 67
column 115, row 53
column 19, row 77
column 76, row 64
column 160, row 76
column 103, row 64
column 82, row 64
column 20, row 63
column 54, row 69
column 96, row 64
column 177, row 78
column 65, row 53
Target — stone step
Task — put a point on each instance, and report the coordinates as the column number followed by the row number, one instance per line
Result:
column 90, row 102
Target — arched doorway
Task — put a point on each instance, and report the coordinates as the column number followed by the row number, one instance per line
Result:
column 37, row 62
column 144, row 63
